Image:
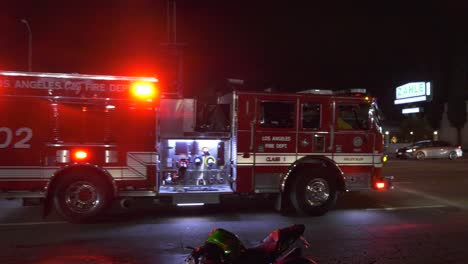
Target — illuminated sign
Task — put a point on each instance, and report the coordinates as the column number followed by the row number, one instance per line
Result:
column 413, row 92
column 411, row 110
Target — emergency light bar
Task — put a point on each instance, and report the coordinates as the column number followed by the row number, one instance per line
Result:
column 339, row 92
column 316, row 91
column 351, row 91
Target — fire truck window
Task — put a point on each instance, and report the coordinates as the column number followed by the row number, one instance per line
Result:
column 277, row 114
column 311, row 115
column 353, row 117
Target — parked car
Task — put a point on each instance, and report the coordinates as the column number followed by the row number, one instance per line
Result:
column 429, row 149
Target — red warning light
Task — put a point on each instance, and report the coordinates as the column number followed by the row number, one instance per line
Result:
column 144, row 90
column 380, row 185
column 80, row 155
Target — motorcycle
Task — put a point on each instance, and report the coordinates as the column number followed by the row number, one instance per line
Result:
column 279, row 247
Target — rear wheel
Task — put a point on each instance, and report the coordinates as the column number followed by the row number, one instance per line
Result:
column 313, row 192
column 420, row 155
column 453, row 155
column 81, row 196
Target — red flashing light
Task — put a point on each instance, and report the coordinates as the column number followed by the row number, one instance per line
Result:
column 144, row 90
column 380, row 185
column 80, row 155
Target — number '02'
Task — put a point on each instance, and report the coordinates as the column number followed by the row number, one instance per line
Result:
column 24, row 135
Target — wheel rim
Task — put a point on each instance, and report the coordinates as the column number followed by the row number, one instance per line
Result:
column 317, row 192
column 453, row 155
column 420, row 155
column 82, row 197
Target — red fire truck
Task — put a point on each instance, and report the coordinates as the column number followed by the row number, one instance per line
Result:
column 78, row 142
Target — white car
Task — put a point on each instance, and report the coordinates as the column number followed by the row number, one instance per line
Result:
column 429, row 149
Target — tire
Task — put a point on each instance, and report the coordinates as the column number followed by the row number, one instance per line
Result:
column 453, row 155
column 420, row 155
column 82, row 195
column 313, row 192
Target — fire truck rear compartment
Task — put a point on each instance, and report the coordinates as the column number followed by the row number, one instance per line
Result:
column 195, row 166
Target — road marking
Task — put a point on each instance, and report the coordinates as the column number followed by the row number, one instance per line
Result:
column 434, row 198
column 32, row 223
column 406, row 207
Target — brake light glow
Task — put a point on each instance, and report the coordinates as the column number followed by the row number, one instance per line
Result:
column 80, row 155
column 380, row 185
column 144, row 90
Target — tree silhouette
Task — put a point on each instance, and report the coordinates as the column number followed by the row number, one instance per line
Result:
column 457, row 84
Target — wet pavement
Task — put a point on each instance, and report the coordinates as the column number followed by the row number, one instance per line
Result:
column 424, row 220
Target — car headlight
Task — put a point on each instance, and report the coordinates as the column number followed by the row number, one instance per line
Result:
column 409, row 150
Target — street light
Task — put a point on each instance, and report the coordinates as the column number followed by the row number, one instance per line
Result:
column 29, row 43
column 387, row 138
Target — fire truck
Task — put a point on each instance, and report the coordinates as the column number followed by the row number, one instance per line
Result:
column 76, row 143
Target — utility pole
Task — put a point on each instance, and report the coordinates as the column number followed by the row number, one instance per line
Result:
column 24, row 21
column 174, row 46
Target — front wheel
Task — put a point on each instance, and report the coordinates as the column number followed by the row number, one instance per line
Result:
column 420, row 155
column 313, row 193
column 453, row 155
column 81, row 196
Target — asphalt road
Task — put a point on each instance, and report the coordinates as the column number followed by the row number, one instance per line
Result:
column 424, row 220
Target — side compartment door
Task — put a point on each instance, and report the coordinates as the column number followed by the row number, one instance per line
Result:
column 23, row 131
column 313, row 135
column 243, row 141
column 275, row 141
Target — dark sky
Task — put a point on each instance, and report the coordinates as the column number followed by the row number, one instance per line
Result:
column 289, row 46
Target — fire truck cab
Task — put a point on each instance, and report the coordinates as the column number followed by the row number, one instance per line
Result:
column 79, row 142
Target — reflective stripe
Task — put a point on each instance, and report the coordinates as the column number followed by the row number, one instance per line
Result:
column 241, row 160
column 353, row 159
column 78, row 76
column 342, row 159
column 45, row 173
column 275, row 158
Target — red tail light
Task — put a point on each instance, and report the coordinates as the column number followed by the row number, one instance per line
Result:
column 380, row 185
